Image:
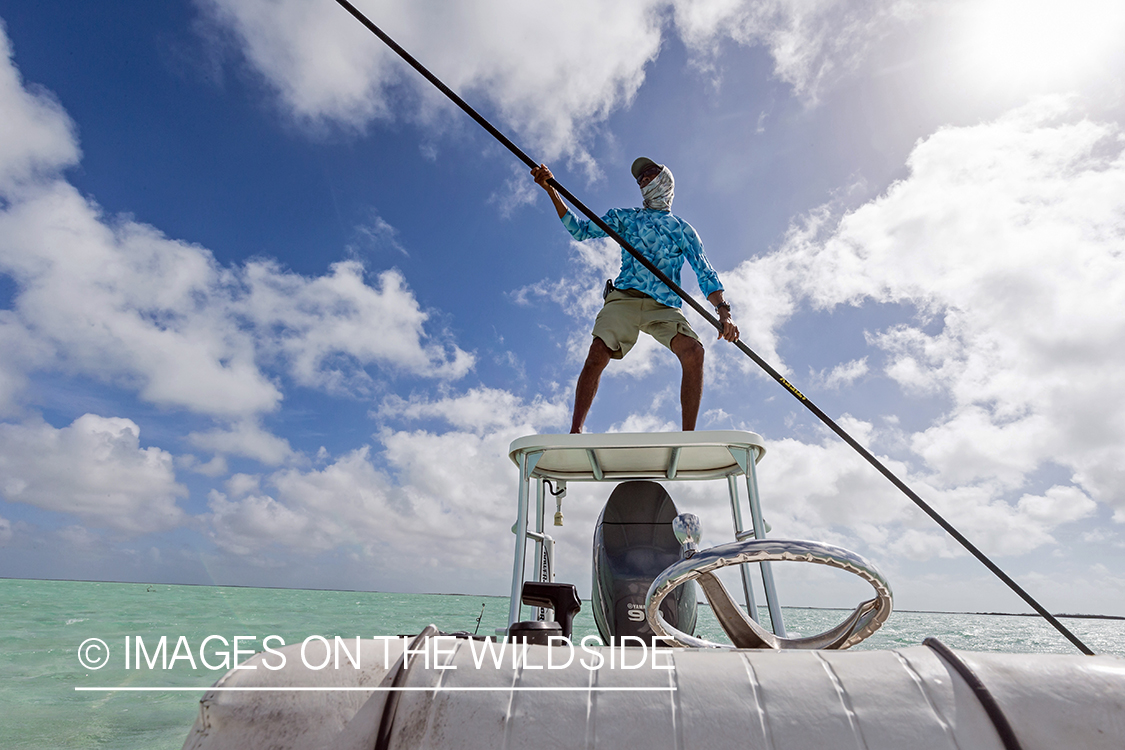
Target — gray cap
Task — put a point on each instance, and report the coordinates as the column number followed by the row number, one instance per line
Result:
column 641, row 164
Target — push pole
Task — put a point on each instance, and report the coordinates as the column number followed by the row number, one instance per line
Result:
column 695, row 305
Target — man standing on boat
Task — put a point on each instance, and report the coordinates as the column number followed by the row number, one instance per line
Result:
column 638, row 301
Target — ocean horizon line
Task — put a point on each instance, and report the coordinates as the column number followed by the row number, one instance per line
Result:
column 1076, row 616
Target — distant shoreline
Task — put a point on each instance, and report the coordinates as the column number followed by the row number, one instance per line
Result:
column 501, row 596
column 997, row 614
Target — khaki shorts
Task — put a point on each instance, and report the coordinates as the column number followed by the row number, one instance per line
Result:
column 627, row 312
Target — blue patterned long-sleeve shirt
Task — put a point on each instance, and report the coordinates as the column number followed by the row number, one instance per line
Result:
column 663, row 238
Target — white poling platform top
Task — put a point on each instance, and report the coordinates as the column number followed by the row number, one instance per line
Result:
column 612, row 457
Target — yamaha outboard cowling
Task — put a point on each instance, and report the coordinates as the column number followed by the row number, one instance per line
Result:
column 634, row 543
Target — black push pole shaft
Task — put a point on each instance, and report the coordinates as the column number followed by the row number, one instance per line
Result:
column 503, row 139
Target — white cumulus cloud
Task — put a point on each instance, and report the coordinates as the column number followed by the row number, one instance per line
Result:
column 550, row 72
column 117, row 300
column 421, row 498
column 36, row 136
column 813, row 44
column 244, row 438
column 95, row 469
column 310, row 322
column 1008, row 238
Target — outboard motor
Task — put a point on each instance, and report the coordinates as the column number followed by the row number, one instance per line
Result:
column 634, row 543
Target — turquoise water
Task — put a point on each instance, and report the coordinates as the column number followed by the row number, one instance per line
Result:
column 42, row 624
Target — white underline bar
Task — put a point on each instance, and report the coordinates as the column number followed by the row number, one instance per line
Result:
column 367, row 689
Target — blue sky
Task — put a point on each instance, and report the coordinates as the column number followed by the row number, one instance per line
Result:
column 272, row 311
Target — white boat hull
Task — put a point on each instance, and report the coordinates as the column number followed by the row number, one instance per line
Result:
column 906, row 699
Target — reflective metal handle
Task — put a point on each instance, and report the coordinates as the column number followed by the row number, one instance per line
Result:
column 688, row 530
column 868, row 617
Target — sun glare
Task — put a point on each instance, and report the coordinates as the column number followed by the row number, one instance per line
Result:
column 1039, row 44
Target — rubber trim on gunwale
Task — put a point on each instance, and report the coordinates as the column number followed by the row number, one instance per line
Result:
column 987, row 701
column 390, row 708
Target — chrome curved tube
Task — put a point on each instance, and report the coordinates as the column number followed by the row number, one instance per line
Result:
column 868, row 617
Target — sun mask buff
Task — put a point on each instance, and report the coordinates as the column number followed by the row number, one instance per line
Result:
column 658, row 194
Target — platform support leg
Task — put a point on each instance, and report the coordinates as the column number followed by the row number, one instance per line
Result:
column 539, row 613
column 744, row 569
column 760, row 533
column 521, row 545
column 528, row 462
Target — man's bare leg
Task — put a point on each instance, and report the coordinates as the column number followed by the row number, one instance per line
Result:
column 690, row 353
column 587, row 388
